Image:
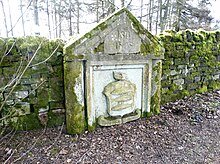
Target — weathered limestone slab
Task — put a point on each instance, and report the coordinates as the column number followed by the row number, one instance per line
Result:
column 112, row 74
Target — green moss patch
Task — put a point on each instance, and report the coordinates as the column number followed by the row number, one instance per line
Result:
column 194, row 55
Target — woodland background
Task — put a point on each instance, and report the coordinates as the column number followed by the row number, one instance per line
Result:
column 64, row 18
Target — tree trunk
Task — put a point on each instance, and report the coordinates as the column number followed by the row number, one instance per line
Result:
column 103, row 10
column 4, row 15
column 122, row 3
column 22, row 17
column 160, row 13
column 70, row 18
column 111, row 7
column 55, row 24
column 60, row 25
column 180, row 5
column 77, row 19
column 157, row 18
column 97, row 11
column 36, row 17
column 141, row 11
column 171, row 16
column 48, row 19
column 9, row 10
column 164, row 17
column 150, row 15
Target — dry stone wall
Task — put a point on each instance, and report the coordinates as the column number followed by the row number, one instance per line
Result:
column 31, row 94
column 191, row 64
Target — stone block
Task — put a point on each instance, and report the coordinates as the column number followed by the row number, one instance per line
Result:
column 56, row 89
column 9, row 71
column 174, row 72
column 197, row 78
column 21, row 94
column 179, row 61
column 181, row 66
column 1, row 71
column 189, row 80
column 179, row 82
column 42, row 96
column 56, row 71
column 21, row 109
column 9, row 102
column 1, row 97
column 216, row 77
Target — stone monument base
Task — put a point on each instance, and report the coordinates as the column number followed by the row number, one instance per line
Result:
column 109, row 121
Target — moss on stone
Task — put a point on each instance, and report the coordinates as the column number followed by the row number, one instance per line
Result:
column 197, row 53
column 31, row 121
column 23, row 49
column 147, row 114
column 213, row 85
column 75, row 114
column 156, row 98
column 93, row 127
column 26, row 122
column 99, row 48
column 55, row 119
column 202, row 89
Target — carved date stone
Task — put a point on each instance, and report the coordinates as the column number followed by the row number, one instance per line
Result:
column 122, row 40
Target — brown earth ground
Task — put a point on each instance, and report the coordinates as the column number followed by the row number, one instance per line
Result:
column 186, row 131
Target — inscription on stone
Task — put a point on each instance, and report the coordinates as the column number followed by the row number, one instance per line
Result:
column 122, row 40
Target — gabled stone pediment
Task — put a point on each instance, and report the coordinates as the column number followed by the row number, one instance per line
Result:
column 120, row 33
column 112, row 74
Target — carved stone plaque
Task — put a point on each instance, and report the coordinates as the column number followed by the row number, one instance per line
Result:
column 122, row 40
column 117, row 95
column 120, row 95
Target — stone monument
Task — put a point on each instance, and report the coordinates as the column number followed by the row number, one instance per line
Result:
column 112, row 74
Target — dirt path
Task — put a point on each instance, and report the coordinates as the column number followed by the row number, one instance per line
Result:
column 186, row 131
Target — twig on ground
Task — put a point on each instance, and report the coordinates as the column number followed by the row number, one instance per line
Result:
column 10, row 138
column 34, row 143
column 5, row 136
column 81, row 158
column 14, row 150
column 56, row 138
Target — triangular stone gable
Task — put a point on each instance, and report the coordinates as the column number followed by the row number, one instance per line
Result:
column 118, row 57
column 119, row 33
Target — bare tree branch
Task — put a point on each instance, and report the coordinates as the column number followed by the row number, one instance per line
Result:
column 20, row 17
column 10, row 114
column 46, row 58
column 14, row 150
column 5, row 20
column 32, row 146
column 19, row 78
column 7, row 51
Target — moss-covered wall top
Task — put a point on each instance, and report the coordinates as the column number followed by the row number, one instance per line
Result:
column 31, row 81
column 191, row 65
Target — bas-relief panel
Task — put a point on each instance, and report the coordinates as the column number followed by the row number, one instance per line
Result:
column 112, row 86
column 120, row 95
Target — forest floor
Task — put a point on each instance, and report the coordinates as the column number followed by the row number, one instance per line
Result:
column 186, row 131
